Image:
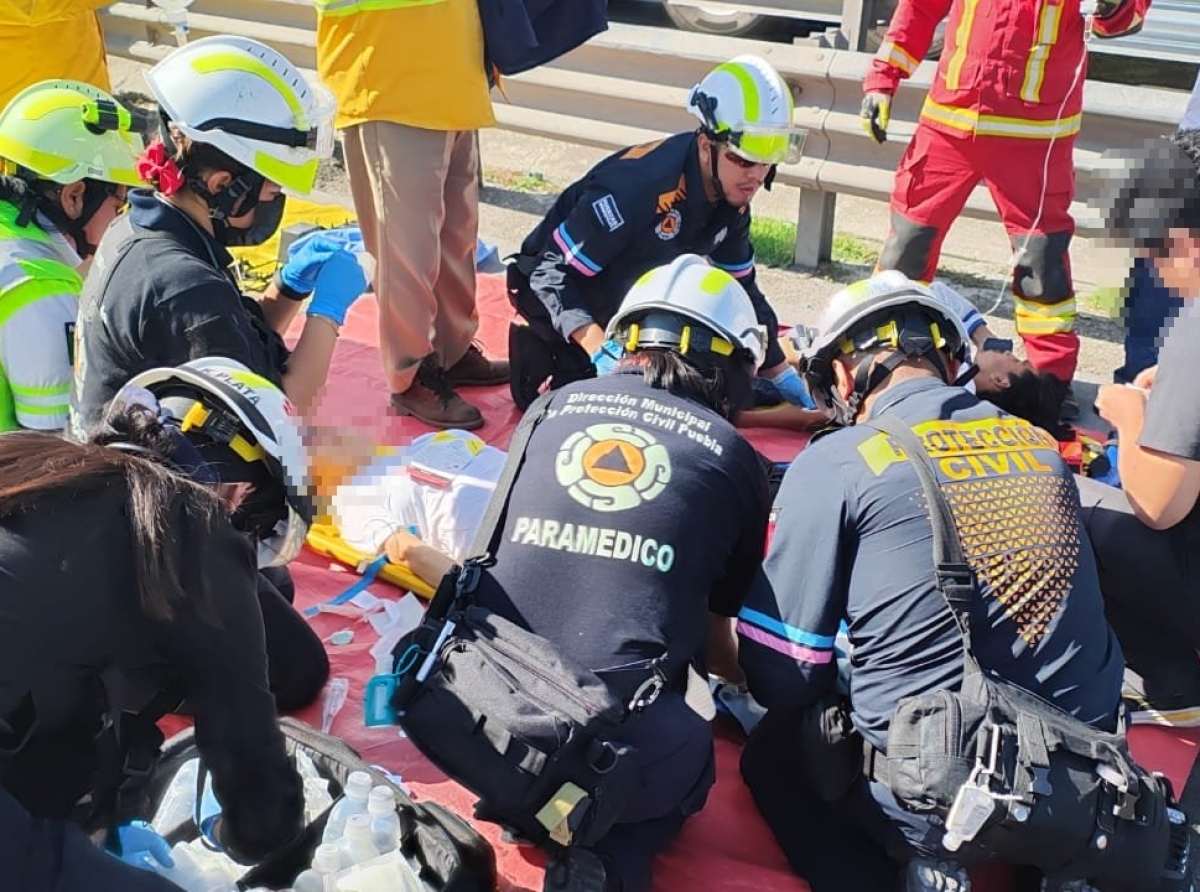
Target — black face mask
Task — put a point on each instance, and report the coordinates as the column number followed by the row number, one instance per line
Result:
column 268, row 215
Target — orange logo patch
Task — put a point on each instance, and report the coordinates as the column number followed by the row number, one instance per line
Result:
column 613, row 462
column 668, row 226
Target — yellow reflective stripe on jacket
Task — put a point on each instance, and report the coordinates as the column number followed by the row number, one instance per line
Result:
column 895, row 55
column 1034, row 318
column 1047, row 35
column 962, row 40
column 971, row 121
column 350, row 7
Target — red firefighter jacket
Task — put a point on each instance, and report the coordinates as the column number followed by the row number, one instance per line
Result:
column 1010, row 67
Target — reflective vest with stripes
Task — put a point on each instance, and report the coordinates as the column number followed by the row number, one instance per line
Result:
column 31, row 269
column 1011, row 68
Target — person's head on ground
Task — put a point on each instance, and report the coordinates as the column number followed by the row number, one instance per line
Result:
column 244, row 440
column 745, row 113
column 68, row 151
column 1014, row 385
column 240, row 125
column 692, row 329
column 1152, row 205
column 874, row 334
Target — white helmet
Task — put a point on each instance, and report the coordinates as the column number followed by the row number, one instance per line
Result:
column 656, row 311
column 747, row 105
column 245, row 99
column 841, row 329
column 222, row 402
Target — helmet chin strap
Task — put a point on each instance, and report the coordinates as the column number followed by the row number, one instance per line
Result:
column 36, row 201
column 714, row 154
column 869, row 374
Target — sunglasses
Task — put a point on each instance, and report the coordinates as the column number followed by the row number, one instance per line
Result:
column 744, row 163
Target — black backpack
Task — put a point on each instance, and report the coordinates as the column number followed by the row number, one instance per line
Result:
column 449, row 854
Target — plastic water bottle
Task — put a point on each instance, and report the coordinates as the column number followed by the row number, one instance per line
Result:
column 356, row 846
column 327, row 861
column 385, row 823
column 353, row 802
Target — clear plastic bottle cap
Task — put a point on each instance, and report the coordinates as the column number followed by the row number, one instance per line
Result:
column 358, row 786
column 358, row 825
column 382, row 801
column 327, row 858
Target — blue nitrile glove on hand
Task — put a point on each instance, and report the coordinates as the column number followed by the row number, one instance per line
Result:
column 308, row 255
column 339, row 284
column 606, row 357
column 791, row 388
column 138, row 845
column 209, row 813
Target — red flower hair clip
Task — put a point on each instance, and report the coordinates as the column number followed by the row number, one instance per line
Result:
column 156, row 167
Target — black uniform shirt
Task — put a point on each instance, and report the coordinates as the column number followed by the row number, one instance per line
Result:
column 635, row 514
column 161, row 301
column 635, row 210
column 69, row 610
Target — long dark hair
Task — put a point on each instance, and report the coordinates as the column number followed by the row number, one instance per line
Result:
column 36, row 466
column 723, row 383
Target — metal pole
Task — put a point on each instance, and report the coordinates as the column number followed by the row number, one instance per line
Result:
column 858, row 18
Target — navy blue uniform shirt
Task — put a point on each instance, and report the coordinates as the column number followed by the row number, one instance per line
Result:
column 853, row 541
column 161, row 293
column 635, row 210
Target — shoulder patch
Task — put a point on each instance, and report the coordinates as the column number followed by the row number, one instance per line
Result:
column 607, row 212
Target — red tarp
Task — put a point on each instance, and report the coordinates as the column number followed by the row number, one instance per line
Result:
column 726, row 847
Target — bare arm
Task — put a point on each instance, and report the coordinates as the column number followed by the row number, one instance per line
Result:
column 722, row 651
column 402, row 547
column 308, row 366
column 278, row 310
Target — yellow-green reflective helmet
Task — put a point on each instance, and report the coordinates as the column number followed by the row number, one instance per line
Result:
column 66, row 131
column 746, row 104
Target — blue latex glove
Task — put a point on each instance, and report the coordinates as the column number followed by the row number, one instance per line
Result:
column 137, row 844
column 606, row 357
column 339, row 284
column 209, row 813
column 308, row 255
column 792, row 388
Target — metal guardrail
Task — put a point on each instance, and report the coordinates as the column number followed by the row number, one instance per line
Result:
column 629, row 85
column 1171, row 32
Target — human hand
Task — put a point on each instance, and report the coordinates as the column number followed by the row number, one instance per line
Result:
column 309, row 254
column 338, row 285
column 876, row 115
column 1145, row 378
column 605, row 359
column 590, row 337
column 399, row 546
column 136, row 844
column 1122, row 406
column 792, row 388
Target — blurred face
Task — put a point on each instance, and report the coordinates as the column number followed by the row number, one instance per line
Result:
column 1177, row 262
column 95, row 227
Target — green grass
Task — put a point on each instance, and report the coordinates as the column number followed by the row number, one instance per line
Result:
column 1106, row 302
column 774, row 241
column 850, row 249
column 533, row 181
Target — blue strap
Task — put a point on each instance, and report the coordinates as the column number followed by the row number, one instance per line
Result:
column 368, row 576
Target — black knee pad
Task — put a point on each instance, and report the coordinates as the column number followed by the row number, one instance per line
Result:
column 531, row 361
column 908, row 247
column 1041, row 274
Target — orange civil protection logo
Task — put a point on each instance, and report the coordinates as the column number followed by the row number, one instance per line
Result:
column 613, row 467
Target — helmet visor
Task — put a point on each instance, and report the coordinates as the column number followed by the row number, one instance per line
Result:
column 767, row 145
column 320, row 125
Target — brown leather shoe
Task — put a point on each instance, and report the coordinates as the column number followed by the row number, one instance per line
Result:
column 433, row 401
column 476, row 370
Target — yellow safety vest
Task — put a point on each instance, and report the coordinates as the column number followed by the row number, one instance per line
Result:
column 31, row 269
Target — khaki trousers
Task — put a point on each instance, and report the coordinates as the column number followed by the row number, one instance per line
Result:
column 416, row 195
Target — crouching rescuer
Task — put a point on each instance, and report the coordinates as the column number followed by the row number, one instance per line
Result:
column 981, row 721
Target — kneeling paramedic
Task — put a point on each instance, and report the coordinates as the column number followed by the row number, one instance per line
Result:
column 634, row 528
column 644, row 206
column 67, row 156
column 852, row 544
column 140, row 545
